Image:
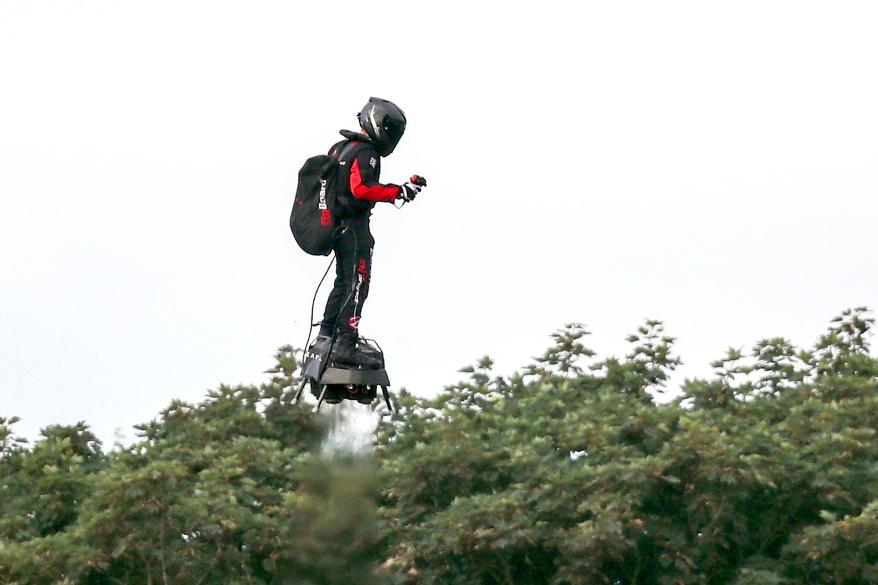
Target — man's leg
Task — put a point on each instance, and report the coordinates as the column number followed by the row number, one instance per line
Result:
column 344, row 259
column 357, row 267
column 359, row 272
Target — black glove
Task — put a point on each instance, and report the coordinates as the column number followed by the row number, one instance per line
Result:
column 408, row 191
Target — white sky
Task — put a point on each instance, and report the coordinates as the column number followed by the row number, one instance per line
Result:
column 709, row 164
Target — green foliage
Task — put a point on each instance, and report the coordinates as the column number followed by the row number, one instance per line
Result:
column 43, row 488
column 765, row 474
column 564, row 354
column 230, row 490
column 839, row 551
column 568, row 473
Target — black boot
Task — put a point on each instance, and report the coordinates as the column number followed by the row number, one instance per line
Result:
column 345, row 353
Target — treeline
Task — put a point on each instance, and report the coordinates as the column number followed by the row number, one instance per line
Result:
column 567, row 472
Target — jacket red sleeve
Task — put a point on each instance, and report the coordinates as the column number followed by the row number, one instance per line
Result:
column 365, row 171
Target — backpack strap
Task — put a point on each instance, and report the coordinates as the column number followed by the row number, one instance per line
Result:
column 343, row 151
column 336, row 148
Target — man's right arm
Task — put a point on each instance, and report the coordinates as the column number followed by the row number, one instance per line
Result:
column 365, row 171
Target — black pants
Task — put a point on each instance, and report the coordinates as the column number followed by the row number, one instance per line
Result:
column 353, row 270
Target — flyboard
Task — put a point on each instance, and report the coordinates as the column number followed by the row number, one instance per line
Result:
column 331, row 383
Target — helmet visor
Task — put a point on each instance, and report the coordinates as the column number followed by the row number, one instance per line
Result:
column 394, row 129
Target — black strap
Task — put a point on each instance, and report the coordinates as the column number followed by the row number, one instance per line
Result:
column 349, row 148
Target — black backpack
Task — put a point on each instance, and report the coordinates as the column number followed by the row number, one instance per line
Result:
column 320, row 205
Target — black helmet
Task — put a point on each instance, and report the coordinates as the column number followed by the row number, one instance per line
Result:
column 383, row 122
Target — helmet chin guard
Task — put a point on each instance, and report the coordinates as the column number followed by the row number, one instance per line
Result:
column 383, row 122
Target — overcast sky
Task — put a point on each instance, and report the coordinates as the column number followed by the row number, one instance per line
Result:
column 709, row 164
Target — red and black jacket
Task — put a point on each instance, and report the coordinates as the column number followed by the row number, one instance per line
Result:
column 359, row 187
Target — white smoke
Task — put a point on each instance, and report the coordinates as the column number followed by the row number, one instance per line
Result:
column 351, row 428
